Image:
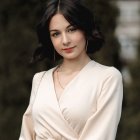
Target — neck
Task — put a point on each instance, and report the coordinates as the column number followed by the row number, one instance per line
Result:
column 76, row 64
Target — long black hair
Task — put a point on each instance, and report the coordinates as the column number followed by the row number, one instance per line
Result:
column 76, row 14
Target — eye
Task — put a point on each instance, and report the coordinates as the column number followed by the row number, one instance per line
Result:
column 55, row 34
column 73, row 29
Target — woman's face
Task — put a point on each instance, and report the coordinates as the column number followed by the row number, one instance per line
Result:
column 63, row 36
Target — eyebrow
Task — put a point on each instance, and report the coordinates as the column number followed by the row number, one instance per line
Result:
column 66, row 27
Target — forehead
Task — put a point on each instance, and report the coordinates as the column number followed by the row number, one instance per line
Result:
column 58, row 21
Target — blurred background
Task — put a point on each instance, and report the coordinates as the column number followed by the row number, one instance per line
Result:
column 120, row 22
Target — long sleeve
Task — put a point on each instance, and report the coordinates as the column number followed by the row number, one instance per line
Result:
column 102, row 125
column 27, row 121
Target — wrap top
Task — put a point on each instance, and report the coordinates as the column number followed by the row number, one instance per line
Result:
column 88, row 109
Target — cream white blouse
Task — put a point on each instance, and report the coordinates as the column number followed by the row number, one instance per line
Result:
column 88, row 109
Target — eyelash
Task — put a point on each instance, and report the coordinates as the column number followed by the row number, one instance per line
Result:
column 74, row 29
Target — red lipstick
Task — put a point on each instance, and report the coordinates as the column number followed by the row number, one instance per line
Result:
column 69, row 49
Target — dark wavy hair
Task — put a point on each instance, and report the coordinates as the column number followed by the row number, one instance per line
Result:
column 76, row 14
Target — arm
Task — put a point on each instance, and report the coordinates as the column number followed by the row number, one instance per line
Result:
column 27, row 127
column 102, row 125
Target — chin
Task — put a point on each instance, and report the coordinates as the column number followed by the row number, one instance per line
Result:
column 70, row 57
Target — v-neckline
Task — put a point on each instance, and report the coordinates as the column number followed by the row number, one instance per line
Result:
column 58, row 101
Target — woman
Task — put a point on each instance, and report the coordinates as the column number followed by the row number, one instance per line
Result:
column 79, row 99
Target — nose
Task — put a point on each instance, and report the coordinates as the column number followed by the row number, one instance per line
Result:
column 66, row 39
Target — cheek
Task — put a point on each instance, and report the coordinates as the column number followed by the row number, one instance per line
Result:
column 79, row 37
column 56, row 42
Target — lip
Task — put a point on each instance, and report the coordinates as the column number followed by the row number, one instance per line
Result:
column 69, row 48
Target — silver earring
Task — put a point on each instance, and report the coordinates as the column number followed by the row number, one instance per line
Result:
column 54, row 54
column 86, row 45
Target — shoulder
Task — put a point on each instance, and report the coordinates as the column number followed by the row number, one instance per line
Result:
column 113, row 74
column 37, row 77
column 108, row 71
column 107, row 74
